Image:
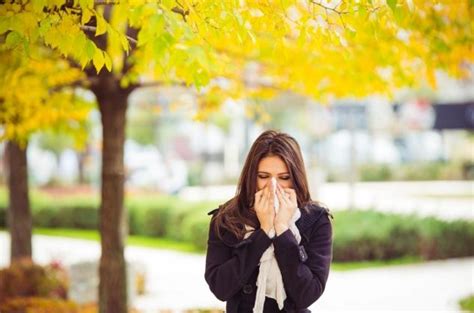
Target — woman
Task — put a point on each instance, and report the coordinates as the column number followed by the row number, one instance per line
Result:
column 270, row 247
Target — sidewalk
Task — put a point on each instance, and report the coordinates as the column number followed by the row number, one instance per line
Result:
column 175, row 280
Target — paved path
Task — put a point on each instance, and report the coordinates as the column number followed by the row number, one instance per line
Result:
column 176, row 280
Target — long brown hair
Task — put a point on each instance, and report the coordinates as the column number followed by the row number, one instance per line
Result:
column 238, row 211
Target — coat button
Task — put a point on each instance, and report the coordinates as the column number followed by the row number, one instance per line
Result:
column 248, row 289
column 303, row 255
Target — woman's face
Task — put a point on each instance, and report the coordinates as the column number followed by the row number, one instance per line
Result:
column 273, row 166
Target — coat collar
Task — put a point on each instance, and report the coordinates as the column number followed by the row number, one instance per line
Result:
column 309, row 216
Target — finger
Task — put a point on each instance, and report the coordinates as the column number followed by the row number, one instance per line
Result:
column 291, row 192
column 279, row 191
column 258, row 200
column 289, row 195
column 284, row 193
column 264, row 202
column 280, row 196
column 284, row 196
column 270, row 198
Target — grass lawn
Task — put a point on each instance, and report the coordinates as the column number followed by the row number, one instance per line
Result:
column 162, row 243
column 138, row 241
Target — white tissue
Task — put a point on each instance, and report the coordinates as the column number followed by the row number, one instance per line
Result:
column 275, row 198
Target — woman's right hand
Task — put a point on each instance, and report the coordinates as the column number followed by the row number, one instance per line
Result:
column 264, row 208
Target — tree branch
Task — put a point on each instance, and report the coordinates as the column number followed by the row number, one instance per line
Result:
column 181, row 12
column 93, row 29
column 78, row 83
column 158, row 84
column 328, row 8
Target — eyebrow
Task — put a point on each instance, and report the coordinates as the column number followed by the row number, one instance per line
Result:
column 269, row 173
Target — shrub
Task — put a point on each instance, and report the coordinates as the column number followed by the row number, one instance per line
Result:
column 38, row 305
column 45, row 217
column 409, row 171
column 25, row 279
column 181, row 216
column 441, row 240
column 375, row 172
column 467, row 303
column 45, row 305
column 195, row 229
column 149, row 216
column 369, row 235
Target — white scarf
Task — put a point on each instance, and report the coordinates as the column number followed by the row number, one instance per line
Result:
column 269, row 280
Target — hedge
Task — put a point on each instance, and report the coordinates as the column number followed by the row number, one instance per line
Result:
column 358, row 235
column 370, row 235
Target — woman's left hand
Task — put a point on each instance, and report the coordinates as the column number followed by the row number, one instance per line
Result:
column 288, row 206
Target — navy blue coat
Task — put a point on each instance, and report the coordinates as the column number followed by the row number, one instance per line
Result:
column 232, row 265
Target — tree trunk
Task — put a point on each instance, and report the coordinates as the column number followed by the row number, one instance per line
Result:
column 19, row 214
column 112, row 102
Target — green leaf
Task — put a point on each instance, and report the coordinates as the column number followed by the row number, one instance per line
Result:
column 45, row 26
column 157, row 23
column 98, row 60
column 200, row 78
column 392, row 4
column 13, row 39
column 26, row 47
column 162, row 43
column 90, row 49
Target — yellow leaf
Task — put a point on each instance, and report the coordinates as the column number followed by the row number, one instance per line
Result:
column 431, row 77
column 108, row 61
column 86, row 16
column 98, row 60
column 101, row 27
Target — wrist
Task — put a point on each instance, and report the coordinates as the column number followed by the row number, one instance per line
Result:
column 280, row 228
column 266, row 228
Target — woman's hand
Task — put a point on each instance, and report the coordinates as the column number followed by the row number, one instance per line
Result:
column 264, row 208
column 288, row 206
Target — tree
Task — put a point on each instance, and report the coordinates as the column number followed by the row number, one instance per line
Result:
column 32, row 97
column 321, row 48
